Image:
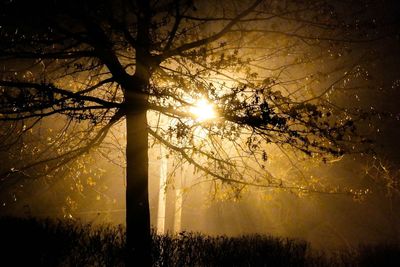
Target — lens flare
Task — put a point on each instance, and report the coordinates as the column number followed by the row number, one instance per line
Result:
column 203, row 110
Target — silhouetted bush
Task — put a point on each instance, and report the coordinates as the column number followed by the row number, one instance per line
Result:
column 33, row 242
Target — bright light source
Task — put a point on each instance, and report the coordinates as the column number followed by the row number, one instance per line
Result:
column 203, row 110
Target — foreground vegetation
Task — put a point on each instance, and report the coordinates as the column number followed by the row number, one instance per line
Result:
column 66, row 243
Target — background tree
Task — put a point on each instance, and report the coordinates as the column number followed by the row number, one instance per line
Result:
column 272, row 70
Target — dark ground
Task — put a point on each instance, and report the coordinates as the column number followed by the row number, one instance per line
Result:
column 28, row 241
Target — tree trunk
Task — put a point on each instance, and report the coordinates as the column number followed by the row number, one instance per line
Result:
column 137, row 201
column 162, row 194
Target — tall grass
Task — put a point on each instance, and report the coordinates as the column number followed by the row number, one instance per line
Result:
column 189, row 249
column 32, row 242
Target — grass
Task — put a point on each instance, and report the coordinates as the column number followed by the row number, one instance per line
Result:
column 33, row 242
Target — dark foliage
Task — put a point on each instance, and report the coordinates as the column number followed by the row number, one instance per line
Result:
column 32, row 242
column 36, row 242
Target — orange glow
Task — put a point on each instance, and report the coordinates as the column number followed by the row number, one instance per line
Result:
column 203, row 110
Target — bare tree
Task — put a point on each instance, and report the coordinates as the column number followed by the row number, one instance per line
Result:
column 271, row 70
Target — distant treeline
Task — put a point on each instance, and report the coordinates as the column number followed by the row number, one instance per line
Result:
column 33, row 242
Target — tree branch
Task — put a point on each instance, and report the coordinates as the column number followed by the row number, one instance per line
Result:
column 201, row 42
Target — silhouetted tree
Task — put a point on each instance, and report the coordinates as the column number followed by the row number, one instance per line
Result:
column 272, row 70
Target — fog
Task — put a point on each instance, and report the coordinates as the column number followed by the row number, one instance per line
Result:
column 328, row 221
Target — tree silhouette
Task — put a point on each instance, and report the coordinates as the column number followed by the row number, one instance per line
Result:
column 271, row 70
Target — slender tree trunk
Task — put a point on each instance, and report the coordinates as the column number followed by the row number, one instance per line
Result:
column 137, row 201
column 162, row 194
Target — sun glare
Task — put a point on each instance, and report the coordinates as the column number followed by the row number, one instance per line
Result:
column 203, row 110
